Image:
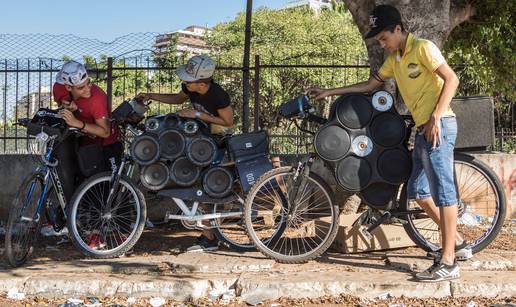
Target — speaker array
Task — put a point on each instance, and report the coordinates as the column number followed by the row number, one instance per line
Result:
column 176, row 151
column 363, row 142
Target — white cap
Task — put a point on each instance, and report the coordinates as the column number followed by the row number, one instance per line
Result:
column 197, row 67
column 72, row 73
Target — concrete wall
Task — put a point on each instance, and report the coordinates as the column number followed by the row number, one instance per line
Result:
column 13, row 168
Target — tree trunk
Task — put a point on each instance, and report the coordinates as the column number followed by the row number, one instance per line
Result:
column 430, row 19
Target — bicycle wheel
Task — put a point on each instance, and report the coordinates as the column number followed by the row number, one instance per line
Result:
column 291, row 220
column 24, row 221
column 230, row 230
column 482, row 207
column 103, row 231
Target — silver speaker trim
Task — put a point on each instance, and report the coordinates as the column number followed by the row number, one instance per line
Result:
column 382, row 101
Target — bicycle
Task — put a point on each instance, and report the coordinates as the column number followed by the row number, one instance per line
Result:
column 95, row 212
column 40, row 190
column 309, row 216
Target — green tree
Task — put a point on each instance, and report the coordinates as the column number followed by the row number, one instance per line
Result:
column 293, row 36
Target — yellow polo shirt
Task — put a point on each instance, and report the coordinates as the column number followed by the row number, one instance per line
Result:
column 415, row 76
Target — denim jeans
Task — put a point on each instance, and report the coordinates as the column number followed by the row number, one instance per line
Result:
column 432, row 168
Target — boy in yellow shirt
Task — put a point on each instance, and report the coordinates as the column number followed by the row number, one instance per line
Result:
column 427, row 85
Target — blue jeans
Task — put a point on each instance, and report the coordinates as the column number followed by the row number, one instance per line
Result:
column 432, row 168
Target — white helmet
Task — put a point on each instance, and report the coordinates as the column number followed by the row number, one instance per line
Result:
column 72, row 73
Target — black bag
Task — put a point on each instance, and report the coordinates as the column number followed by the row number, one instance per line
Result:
column 248, row 146
column 249, row 171
column 91, row 159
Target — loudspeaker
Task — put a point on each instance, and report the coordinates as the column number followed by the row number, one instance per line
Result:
column 183, row 172
column 154, row 176
column 218, row 181
column 475, row 120
column 332, row 142
column 145, row 149
column 201, row 150
column 172, row 144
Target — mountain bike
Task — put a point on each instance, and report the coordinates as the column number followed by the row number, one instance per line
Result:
column 303, row 205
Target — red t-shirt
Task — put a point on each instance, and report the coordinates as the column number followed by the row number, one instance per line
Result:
column 89, row 109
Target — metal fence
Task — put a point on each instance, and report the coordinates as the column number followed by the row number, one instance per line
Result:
column 26, row 85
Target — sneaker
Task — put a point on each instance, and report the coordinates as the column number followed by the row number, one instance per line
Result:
column 204, row 245
column 95, row 241
column 439, row 272
column 48, row 230
column 463, row 252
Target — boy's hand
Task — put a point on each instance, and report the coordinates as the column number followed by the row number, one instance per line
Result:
column 317, row 93
column 70, row 119
column 188, row 113
column 142, row 97
column 432, row 131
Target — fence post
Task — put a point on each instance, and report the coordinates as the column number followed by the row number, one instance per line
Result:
column 109, row 81
column 256, row 92
column 245, row 70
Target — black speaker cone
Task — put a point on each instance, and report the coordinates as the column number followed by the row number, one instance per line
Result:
column 172, row 143
column 332, row 142
column 353, row 173
column 394, row 165
column 217, row 182
column 145, row 149
column 379, row 194
column 388, row 130
column 183, row 172
column 354, row 111
column 172, row 121
column 201, row 151
column 154, row 176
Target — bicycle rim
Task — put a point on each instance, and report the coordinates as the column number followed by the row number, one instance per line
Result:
column 97, row 231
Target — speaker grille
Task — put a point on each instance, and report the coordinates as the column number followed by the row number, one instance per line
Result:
column 394, row 165
column 172, row 144
column 201, row 151
column 354, row 111
column 154, row 176
column 388, row 130
column 145, row 149
column 379, row 194
column 353, row 173
column 217, row 182
column 183, row 172
column 332, row 142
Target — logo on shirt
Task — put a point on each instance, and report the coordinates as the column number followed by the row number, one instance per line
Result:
column 413, row 70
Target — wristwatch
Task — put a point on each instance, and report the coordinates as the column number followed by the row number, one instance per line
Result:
column 197, row 114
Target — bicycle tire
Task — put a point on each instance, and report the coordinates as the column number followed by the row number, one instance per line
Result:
column 295, row 221
column 422, row 240
column 13, row 223
column 131, row 239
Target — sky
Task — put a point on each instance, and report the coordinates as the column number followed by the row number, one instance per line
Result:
column 108, row 19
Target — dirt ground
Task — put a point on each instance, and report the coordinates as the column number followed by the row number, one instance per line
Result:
column 343, row 300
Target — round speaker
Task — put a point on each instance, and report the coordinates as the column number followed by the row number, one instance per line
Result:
column 332, row 142
column 379, row 194
column 154, row 176
column 201, row 151
column 152, row 124
column 388, row 129
column 382, row 101
column 362, row 146
column 183, row 172
column 217, row 182
column 172, row 144
column 190, row 127
column 145, row 149
column 394, row 165
column 353, row 173
column 172, row 121
column 354, row 111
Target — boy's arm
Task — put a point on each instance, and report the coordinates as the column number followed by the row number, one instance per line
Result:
column 432, row 128
column 178, row 98
column 371, row 84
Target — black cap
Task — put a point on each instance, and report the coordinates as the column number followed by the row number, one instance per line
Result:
column 381, row 17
